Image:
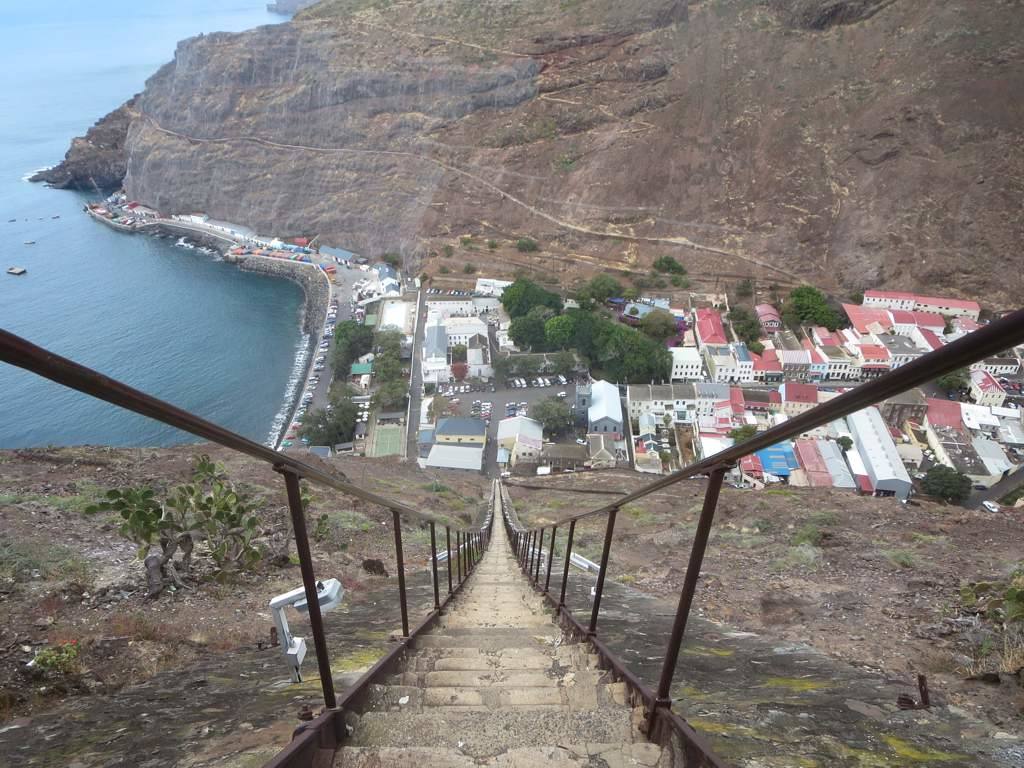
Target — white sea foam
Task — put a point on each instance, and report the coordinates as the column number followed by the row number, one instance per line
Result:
column 296, row 383
column 30, row 174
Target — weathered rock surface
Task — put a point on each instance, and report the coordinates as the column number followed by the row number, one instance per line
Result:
column 98, row 160
column 852, row 143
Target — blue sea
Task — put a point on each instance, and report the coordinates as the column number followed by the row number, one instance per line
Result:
column 173, row 322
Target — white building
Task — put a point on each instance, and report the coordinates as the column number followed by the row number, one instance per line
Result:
column 488, row 287
column 461, row 329
column 679, row 400
column 687, row 364
column 605, row 412
column 434, row 357
column 985, row 390
column 882, row 461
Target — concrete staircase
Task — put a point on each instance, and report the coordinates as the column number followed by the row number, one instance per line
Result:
column 496, row 685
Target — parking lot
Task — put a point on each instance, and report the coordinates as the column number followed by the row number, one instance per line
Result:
column 499, row 400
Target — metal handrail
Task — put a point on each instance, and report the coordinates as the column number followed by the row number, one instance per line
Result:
column 327, row 730
column 528, row 542
column 24, row 354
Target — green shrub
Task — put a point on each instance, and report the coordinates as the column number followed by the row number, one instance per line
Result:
column 469, row 269
column 444, row 270
column 447, row 251
column 526, row 245
column 62, row 659
column 492, row 244
column 900, row 557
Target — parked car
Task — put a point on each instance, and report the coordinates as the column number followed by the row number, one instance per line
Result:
column 991, row 506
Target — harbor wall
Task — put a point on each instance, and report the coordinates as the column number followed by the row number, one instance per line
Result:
column 316, row 287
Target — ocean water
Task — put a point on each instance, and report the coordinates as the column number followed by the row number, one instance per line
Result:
column 171, row 321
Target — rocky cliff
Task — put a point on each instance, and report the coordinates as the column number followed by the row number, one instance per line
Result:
column 852, row 143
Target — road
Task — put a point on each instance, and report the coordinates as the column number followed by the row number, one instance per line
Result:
column 416, row 379
column 997, row 491
column 342, row 291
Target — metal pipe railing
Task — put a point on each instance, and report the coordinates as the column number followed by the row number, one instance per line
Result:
column 19, row 352
column 990, row 340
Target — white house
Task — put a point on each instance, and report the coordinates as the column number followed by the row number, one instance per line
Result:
column 605, row 412
column 687, row 364
column 985, row 390
column 434, row 360
column 461, row 329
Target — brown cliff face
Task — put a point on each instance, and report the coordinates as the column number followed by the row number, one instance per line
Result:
column 851, row 143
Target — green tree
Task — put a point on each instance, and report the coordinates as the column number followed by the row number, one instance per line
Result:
column 669, row 265
column 627, row 355
column 528, row 332
column 946, row 483
column 958, row 379
column 459, row 353
column 523, row 295
column 553, row 413
column 338, row 425
column 745, row 324
column 390, row 396
column 528, row 365
column 659, row 324
column 437, row 409
column 745, row 287
column 393, row 259
column 809, row 306
column 502, row 367
column 743, row 433
column 352, row 340
column 560, row 331
column 600, row 289
column 563, row 363
column 526, row 245
column 845, row 443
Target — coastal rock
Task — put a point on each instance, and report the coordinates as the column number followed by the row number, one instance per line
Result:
column 835, row 141
column 96, row 161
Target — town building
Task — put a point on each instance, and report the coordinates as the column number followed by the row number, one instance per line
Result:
column 434, row 358
column 488, row 287
column 878, row 452
column 985, row 390
column 460, row 430
column 889, row 300
column 454, row 456
column 998, row 366
column 522, row 438
column 604, row 415
column 798, row 397
column 907, row 406
column 769, row 317
column 677, row 400
column 602, row 451
column 565, row 458
column 709, row 328
column 687, row 364
column 709, row 395
column 721, row 363
column 866, row 320
column 744, row 362
column 900, row 348
column 461, row 329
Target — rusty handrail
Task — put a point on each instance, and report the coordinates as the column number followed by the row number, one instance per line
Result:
column 19, row 352
column 994, row 338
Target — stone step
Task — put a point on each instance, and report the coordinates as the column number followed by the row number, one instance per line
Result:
column 486, row 734
column 492, row 638
column 638, row 755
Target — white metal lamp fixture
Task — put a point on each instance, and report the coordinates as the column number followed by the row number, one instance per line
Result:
column 329, row 594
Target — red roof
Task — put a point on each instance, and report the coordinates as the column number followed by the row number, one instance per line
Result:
column 864, row 483
column 799, row 392
column 816, row 356
column 901, row 295
column 984, row 381
column 944, row 413
column 874, row 352
column 768, row 362
column 825, row 336
column 931, row 338
column 751, row 464
column 813, row 464
column 767, row 312
column 929, row 320
column 709, row 327
column 862, row 317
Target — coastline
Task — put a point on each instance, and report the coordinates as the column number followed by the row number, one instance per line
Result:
column 314, row 282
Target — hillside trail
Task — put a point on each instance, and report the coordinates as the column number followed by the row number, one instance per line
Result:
column 677, row 240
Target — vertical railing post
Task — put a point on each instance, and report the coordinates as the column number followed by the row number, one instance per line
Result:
column 700, row 544
column 608, row 531
column 551, row 557
column 529, row 559
column 540, row 556
column 458, row 554
column 433, row 567
column 400, row 559
column 448, row 560
column 316, row 620
column 568, row 557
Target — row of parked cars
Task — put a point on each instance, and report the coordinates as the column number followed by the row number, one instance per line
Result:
column 541, row 381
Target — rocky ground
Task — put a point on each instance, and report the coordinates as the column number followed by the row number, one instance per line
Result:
column 868, row 581
column 66, row 577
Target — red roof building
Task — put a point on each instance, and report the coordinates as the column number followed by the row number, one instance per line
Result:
column 769, row 317
column 868, row 319
column 709, row 327
column 930, row 338
column 812, row 463
column 944, row 413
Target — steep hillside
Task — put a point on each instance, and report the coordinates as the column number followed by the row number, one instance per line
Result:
column 852, row 143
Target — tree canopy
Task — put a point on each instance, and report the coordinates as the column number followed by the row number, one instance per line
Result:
column 560, row 332
column 553, row 413
column 528, row 331
column 523, row 295
column 809, row 306
column 352, row 340
column 330, row 427
column 600, row 289
column 743, row 433
column 958, row 379
column 669, row 264
column 745, row 324
column 659, row 324
column 946, row 483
